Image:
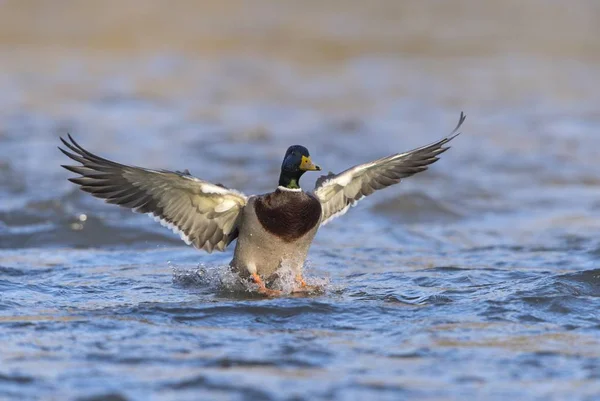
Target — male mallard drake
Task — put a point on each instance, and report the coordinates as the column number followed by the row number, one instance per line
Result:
column 271, row 229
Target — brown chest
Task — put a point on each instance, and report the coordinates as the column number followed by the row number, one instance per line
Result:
column 288, row 215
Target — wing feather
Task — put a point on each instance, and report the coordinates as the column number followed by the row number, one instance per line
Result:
column 338, row 192
column 204, row 214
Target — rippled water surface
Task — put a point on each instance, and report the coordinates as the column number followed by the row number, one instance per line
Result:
column 479, row 279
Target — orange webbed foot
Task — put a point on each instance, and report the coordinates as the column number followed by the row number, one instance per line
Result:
column 304, row 288
column 262, row 288
column 300, row 281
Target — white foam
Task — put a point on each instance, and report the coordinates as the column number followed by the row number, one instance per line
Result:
column 223, row 279
column 213, row 277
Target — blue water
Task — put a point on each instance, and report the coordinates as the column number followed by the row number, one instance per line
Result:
column 478, row 279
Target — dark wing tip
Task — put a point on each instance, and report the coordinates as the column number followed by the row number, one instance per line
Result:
column 76, row 149
column 65, row 141
column 461, row 120
column 65, row 152
column 455, row 131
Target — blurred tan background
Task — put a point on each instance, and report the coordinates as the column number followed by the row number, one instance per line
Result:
column 308, row 30
column 495, row 50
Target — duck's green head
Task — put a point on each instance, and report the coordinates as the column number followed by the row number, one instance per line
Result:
column 295, row 163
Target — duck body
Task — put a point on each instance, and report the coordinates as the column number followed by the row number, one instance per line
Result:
column 276, row 229
column 273, row 229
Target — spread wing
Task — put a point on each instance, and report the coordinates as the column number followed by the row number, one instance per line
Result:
column 337, row 192
column 203, row 214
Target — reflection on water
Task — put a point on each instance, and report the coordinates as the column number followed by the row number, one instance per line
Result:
column 477, row 279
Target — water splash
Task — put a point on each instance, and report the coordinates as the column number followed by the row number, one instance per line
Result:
column 285, row 281
column 222, row 279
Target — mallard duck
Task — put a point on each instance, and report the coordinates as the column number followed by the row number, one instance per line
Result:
column 272, row 229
